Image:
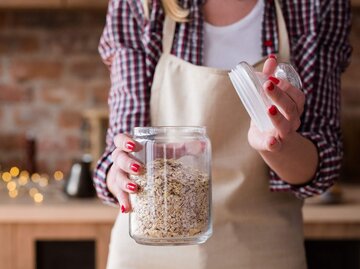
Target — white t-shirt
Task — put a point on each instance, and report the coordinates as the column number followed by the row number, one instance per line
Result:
column 226, row 46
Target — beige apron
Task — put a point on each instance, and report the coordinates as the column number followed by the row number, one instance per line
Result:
column 253, row 228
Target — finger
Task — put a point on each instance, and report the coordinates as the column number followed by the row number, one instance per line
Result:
column 126, row 143
column 125, row 184
column 127, row 164
column 294, row 93
column 195, row 147
column 124, row 201
column 283, row 101
column 115, row 181
column 270, row 65
column 281, row 124
column 258, row 142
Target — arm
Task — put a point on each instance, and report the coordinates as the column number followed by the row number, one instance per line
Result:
column 121, row 47
column 308, row 161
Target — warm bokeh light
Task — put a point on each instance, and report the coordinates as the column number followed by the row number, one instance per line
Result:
column 33, row 191
column 23, row 180
column 6, row 176
column 43, row 182
column 58, row 175
column 24, row 173
column 38, row 198
column 14, row 171
column 35, row 177
column 13, row 193
column 11, row 186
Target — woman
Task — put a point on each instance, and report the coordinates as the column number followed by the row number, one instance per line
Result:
column 253, row 227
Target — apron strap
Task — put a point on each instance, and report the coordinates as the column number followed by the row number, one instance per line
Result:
column 284, row 46
column 168, row 34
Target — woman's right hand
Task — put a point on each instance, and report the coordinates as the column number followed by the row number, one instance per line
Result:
column 118, row 181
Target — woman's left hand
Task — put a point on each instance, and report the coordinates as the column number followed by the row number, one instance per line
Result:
column 288, row 105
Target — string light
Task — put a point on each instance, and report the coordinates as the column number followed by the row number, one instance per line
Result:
column 24, row 173
column 16, row 182
column 11, row 186
column 38, row 197
column 35, row 177
column 14, row 171
column 58, row 175
column 23, row 180
column 13, row 193
column 43, row 182
column 6, row 176
column 33, row 191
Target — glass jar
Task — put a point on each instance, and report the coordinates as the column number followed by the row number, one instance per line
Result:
column 173, row 204
column 249, row 86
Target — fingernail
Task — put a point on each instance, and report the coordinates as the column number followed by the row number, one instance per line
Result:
column 130, row 145
column 273, row 142
column 131, row 186
column 135, row 167
column 274, row 80
column 123, row 209
column 272, row 56
column 273, row 110
column 270, row 87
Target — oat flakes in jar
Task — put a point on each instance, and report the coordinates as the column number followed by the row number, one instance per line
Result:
column 173, row 204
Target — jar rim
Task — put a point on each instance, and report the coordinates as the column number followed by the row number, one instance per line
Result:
column 250, row 91
column 154, row 130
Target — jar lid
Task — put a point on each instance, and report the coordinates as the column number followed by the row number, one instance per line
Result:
column 249, row 86
column 250, row 91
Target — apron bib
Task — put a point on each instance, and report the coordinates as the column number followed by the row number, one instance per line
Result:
column 253, row 227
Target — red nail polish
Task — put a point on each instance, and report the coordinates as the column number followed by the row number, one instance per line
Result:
column 274, row 80
column 272, row 56
column 268, row 43
column 123, row 209
column 270, row 87
column 135, row 167
column 272, row 142
column 273, row 110
column 130, row 145
column 131, row 186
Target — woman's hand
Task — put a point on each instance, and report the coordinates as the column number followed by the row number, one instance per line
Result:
column 118, row 180
column 285, row 113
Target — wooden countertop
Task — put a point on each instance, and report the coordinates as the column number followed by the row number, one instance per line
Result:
column 347, row 211
column 58, row 209
column 61, row 209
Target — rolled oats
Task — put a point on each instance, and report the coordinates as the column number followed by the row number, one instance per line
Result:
column 173, row 201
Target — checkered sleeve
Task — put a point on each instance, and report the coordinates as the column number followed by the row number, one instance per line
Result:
column 122, row 50
column 321, row 55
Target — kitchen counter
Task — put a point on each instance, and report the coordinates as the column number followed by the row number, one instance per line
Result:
column 334, row 221
column 65, row 210
column 22, row 223
column 57, row 218
column 56, row 210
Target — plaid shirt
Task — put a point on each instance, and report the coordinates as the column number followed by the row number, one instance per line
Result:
column 318, row 30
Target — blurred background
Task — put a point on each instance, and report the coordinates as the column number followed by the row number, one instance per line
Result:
column 53, row 113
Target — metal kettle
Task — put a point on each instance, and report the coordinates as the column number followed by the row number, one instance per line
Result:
column 79, row 183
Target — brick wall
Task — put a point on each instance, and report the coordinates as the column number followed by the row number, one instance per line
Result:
column 50, row 72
